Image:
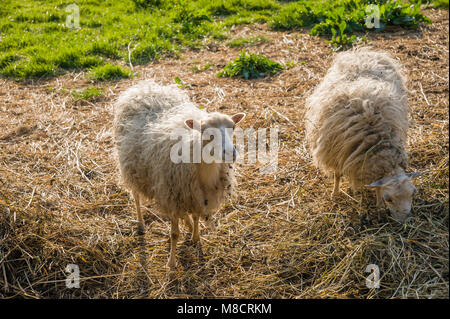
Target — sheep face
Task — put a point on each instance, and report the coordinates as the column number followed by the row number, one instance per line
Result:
column 398, row 199
column 217, row 136
column 397, row 192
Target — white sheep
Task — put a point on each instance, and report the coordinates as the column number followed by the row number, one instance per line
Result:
column 356, row 126
column 147, row 115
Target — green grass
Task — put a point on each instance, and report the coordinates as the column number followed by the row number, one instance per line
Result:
column 87, row 94
column 438, row 4
column 35, row 41
column 250, row 66
column 341, row 18
column 246, row 42
column 181, row 83
column 205, row 67
column 109, row 72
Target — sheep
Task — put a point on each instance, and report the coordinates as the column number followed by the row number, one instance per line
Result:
column 146, row 118
column 356, row 126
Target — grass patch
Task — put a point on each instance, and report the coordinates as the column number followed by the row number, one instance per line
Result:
column 36, row 31
column 291, row 64
column 89, row 93
column 33, row 68
column 8, row 58
column 109, row 72
column 203, row 68
column 246, row 42
column 342, row 18
column 438, row 4
column 36, row 40
column 250, row 66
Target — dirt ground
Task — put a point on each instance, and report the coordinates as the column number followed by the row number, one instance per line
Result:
column 283, row 237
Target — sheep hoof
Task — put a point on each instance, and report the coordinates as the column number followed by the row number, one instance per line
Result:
column 172, row 264
column 195, row 239
column 141, row 229
column 380, row 206
column 196, row 244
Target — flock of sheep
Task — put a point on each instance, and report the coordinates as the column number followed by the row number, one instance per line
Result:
column 356, row 126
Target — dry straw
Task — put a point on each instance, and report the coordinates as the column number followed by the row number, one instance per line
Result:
column 282, row 238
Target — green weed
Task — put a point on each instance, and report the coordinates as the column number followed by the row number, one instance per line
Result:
column 250, row 66
column 438, row 4
column 205, row 67
column 181, row 83
column 342, row 18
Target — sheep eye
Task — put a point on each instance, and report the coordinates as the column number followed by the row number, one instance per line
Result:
column 388, row 199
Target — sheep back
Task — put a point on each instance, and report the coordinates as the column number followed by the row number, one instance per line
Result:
column 357, row 118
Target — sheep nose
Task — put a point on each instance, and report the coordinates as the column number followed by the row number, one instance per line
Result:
column 402, row 217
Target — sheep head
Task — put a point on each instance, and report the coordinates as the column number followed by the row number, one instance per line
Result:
column 397, row 192
column 217, row 135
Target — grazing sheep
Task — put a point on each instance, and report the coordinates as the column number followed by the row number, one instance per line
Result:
column 356, row 126
column 147, row 116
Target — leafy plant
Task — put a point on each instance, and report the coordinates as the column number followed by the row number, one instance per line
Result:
column 341, row 18
column 250, row 66
column 341, row 38
column 181, row 83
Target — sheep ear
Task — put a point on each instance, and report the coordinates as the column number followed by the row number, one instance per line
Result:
column 414, row 174
column 380, row 183
column 189, row 123
column 238, row 117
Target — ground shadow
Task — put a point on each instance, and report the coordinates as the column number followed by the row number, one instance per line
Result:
column 143, row 277
column 191, row 270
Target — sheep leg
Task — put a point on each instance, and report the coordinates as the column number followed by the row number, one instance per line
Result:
column 379, row 193
column 188, row 222
column 174, row 235
column 141, row 225
column 337, row 180
column 195, row 233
